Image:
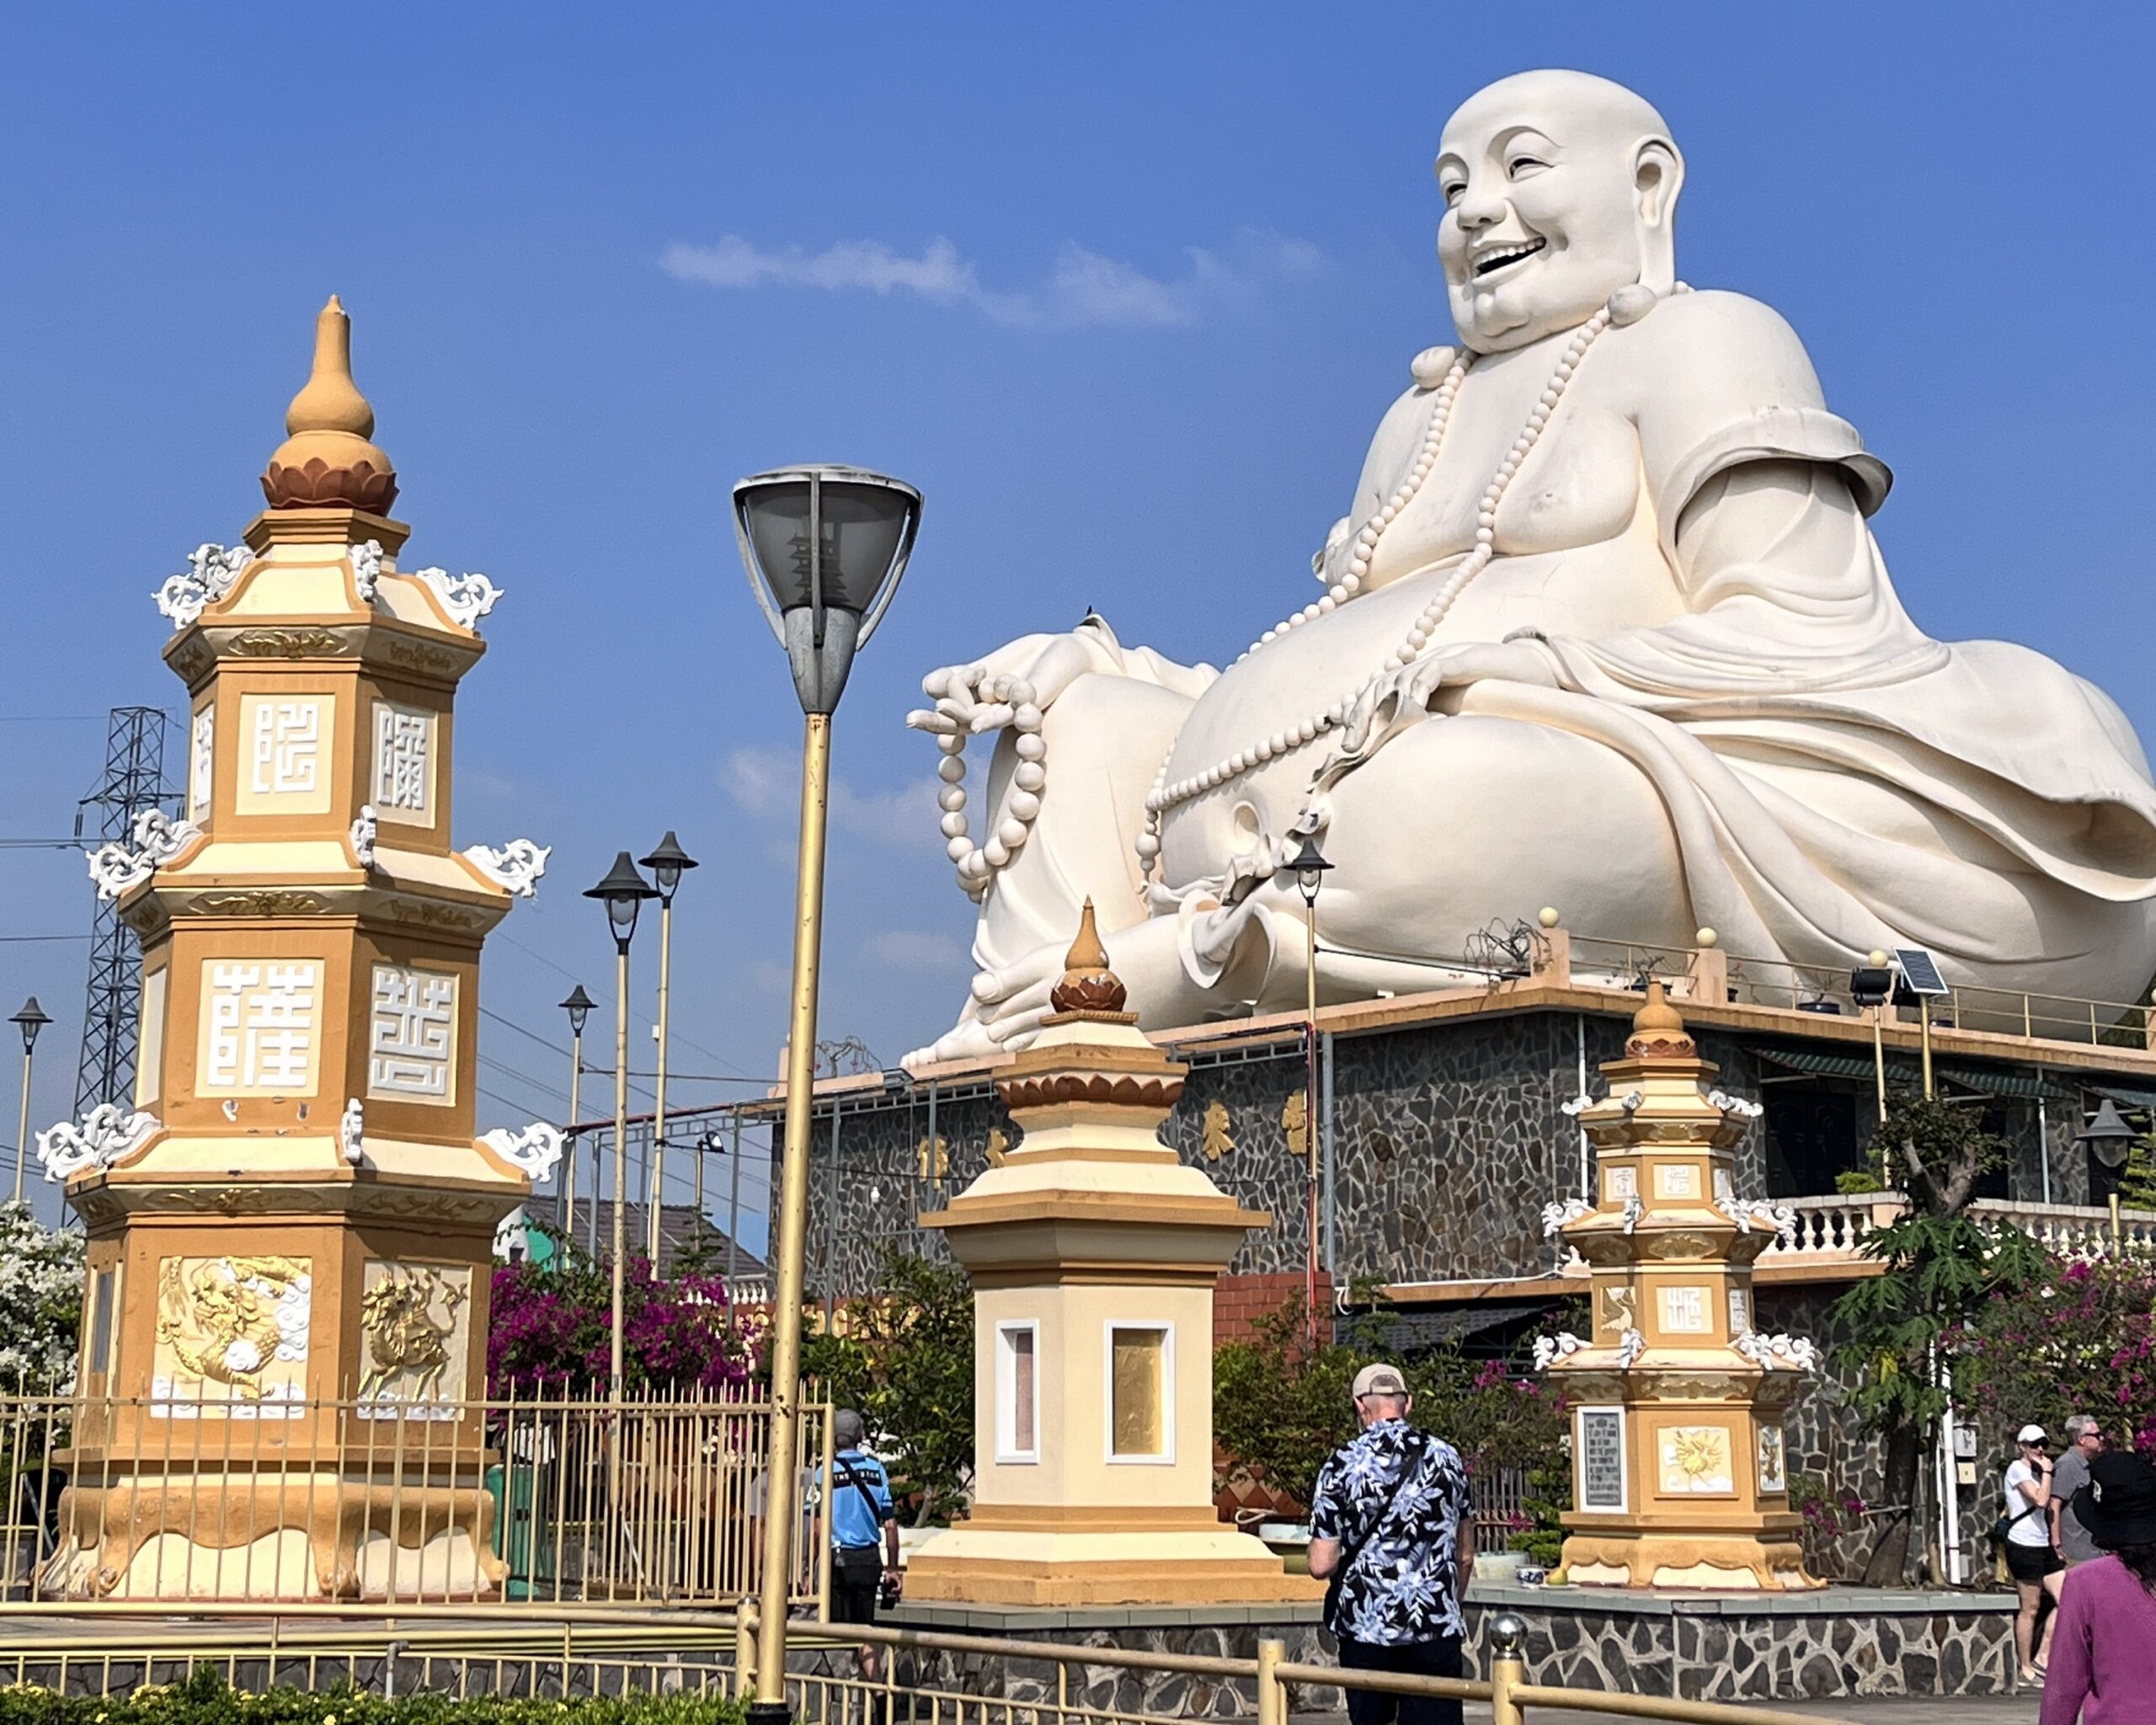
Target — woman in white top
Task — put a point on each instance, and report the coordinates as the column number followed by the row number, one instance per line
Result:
column 2029, row 1559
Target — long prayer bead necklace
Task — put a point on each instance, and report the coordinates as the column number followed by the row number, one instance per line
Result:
column 979, row 864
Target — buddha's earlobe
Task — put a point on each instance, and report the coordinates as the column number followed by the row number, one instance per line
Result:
column 1657, row 177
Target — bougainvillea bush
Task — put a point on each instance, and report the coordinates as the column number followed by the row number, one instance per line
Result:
column 2080, row 1339
column 553, row 1327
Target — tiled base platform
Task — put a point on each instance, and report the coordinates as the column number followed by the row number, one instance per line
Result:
column 1735, row 1647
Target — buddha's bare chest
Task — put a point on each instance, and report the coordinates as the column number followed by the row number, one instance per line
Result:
column 1579, row 486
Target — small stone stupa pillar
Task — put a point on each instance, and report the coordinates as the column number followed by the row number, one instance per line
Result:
column 1093, row 1252
column 1679, row 1474
column 291, row 1224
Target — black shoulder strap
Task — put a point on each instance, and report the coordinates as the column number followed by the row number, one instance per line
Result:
column 1413, row 1466
column 875, row 1515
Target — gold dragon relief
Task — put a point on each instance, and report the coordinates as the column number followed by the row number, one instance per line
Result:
column 415, row 1330
column 231, row 1337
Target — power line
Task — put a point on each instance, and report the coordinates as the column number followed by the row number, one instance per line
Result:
column 507, row 1071
column 26, row 939
column 511, row 1023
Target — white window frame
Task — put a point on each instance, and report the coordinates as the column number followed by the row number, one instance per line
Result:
column 1166, row 1329
column 1006, row 1392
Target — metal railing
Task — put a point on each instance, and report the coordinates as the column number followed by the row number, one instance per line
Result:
column 936, row 1678
column 1815, row 988
column 534, row 1500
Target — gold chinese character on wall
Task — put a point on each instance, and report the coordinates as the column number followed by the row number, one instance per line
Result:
column 1214, row 1138
column 999, row 1147
column 1294, row 1120
column 933, row 1158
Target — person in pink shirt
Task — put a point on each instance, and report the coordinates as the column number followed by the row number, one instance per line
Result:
column 2103, row 1663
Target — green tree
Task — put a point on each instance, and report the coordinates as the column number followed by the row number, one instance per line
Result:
column 903, row 1355
column 1940, row 1266
column 41, row 1301
column 2137, row 1187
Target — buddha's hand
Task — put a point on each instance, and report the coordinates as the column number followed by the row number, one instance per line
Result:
column 1422, row 685
column 1013, row 686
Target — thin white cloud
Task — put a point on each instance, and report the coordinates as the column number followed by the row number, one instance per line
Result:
column 909, row 949
column 1085, row 288
column 765, row 784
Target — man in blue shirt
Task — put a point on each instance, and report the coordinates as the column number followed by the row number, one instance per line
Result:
column 864, row 1532
column 1392, row 1528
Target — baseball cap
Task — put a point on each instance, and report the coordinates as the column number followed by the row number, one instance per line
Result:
column 847, row 1428
column 1379, row 1380
column 2031, row 1434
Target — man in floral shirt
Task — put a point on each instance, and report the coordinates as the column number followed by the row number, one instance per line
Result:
column 1392, row 1528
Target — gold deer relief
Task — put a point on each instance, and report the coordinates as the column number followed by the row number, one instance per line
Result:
column 1214, row 1138
column 1295, row 1121
column 415, row 1327
column 231, row 1337
column 932, row 1156
column 999, row 1147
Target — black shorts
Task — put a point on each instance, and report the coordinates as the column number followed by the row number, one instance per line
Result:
column 856, row 1574
column 2031, row 1564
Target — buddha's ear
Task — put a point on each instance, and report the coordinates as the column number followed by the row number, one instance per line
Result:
column 1657, row 177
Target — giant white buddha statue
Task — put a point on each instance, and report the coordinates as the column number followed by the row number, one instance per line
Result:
column 1605, row 628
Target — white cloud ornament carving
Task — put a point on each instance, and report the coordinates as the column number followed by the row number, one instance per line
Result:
column 102, row 1137
column 1549, row 1349
column 1777, row 1352
column 536, row 1151
column 211, row 569
column 516, row 867
column 466, row 598
column 1557, row 1217
column 366, row 568
column 158, row 838
column 352, row 1131
column 364, row 830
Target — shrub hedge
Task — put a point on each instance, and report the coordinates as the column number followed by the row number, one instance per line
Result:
column 207, row 1698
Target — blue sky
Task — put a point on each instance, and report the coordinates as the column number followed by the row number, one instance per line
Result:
column 1122, row 288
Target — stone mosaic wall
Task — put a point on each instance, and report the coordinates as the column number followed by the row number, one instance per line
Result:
column 1448, row 1139
column 1702, row 1650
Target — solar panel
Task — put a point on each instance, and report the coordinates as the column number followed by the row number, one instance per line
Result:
column 1920, row 971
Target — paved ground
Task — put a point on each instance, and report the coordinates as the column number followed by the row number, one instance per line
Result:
column 1861, row 1710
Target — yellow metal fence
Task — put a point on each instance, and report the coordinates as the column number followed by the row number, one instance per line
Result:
column 934, row 1679
column 537, row 1500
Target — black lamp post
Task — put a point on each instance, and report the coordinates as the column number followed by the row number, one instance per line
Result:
column 667, row 864
column 624, row 893
column 1308, row 866
column 578, row 1007
column 29, row 1021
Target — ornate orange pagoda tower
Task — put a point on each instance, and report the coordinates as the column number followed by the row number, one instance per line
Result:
column 1679, row 1476
column 292, row 1227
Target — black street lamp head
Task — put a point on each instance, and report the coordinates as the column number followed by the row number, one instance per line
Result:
column 2107, row 1133
column 578, row 1007
column 825, row 548
column 623, row 892
column 29, row 1021
column 1871, row 985
column 1308, row 866
column 667, row 864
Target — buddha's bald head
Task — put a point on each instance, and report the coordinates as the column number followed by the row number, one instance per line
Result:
column 1560, row 188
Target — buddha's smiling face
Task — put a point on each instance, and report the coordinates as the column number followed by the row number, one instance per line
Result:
column 1559, row 190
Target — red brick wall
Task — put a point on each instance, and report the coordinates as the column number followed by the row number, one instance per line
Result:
column 1238, row 1301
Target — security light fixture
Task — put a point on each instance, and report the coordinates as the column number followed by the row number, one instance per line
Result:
column 825, row 548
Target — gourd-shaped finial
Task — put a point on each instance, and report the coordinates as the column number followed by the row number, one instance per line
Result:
column 1658, row 1028
column 1088, row 985
column 327, row 461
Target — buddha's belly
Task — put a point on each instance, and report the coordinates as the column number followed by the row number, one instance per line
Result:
column 1589, row 590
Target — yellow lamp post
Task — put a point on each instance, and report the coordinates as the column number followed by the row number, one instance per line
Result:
column 825, row 548
column 578, row 1007
column 29, row 1021
column 667, row 864
column 623, row 892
